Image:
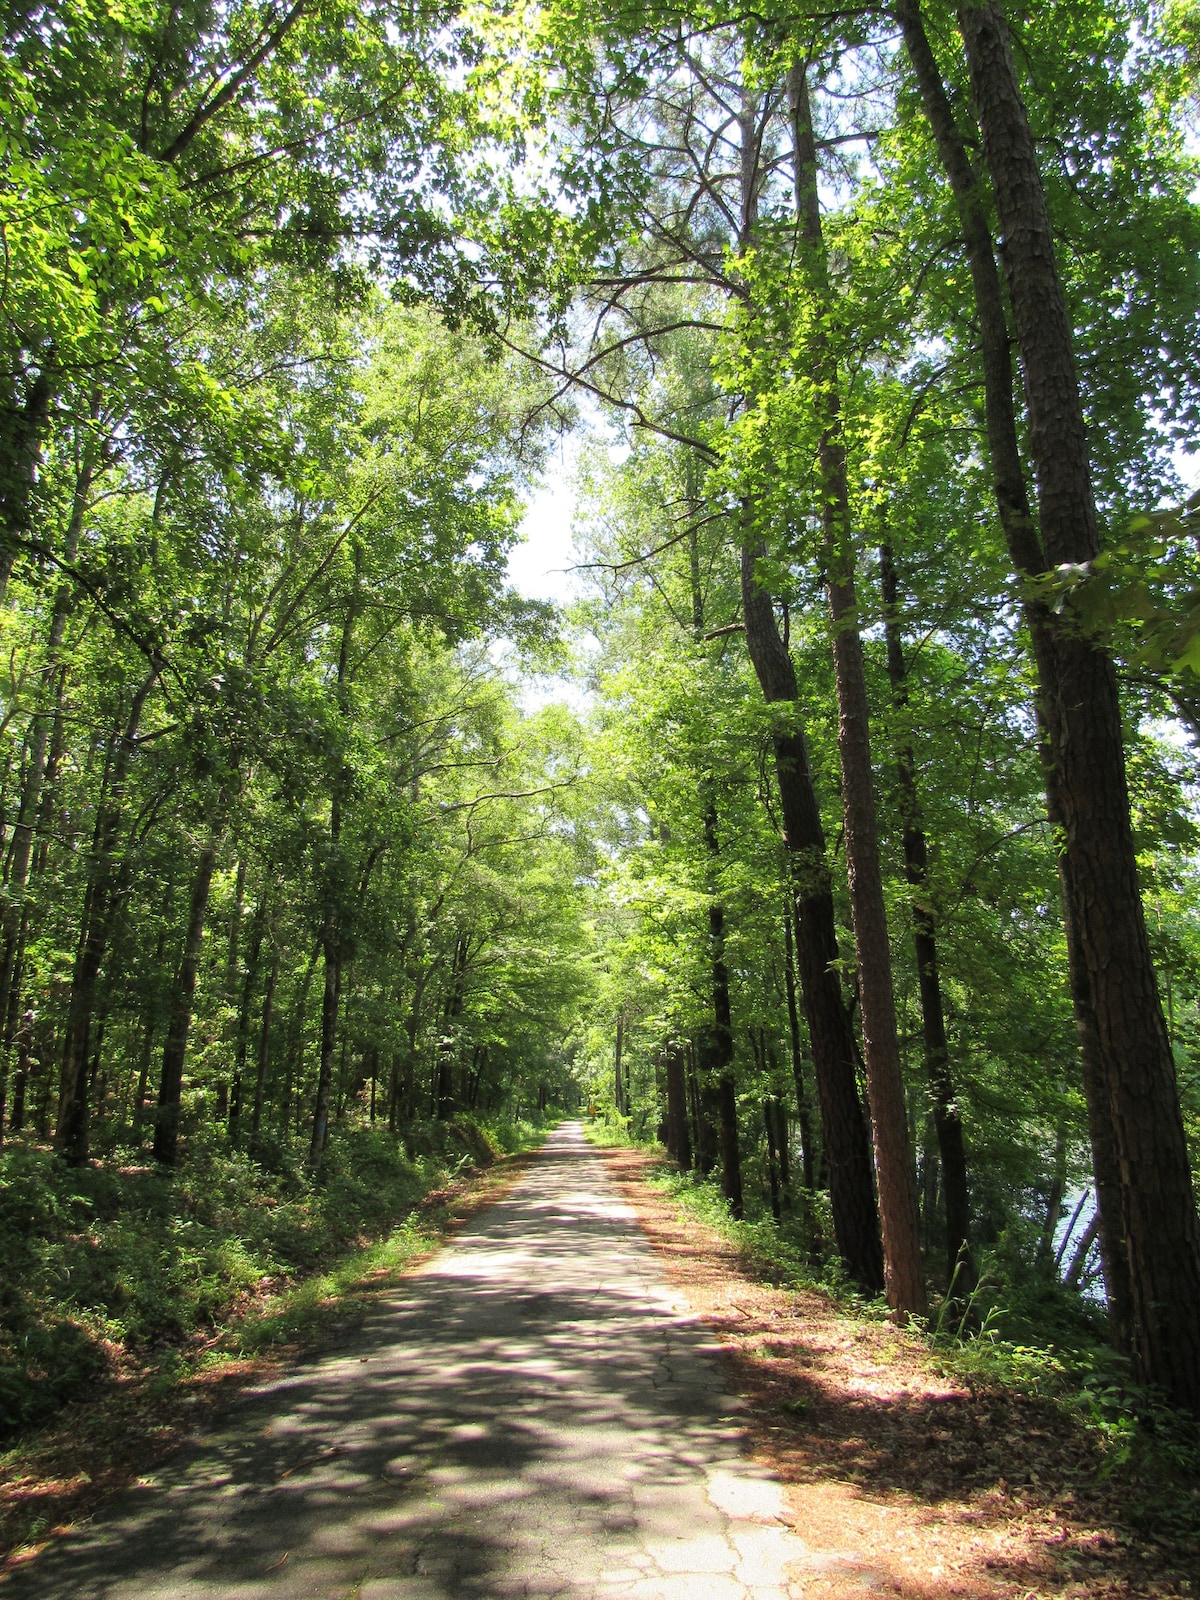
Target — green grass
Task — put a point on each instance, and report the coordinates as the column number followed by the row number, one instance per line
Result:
column 608, row 1130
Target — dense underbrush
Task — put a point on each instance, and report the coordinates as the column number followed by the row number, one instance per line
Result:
column 113, row 1261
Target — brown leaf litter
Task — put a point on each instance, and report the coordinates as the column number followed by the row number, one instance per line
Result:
column 941, row 1489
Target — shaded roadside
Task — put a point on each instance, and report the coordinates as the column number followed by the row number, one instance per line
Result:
column 949, row 1483
column 133, row 1421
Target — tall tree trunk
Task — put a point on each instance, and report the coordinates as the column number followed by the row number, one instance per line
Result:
column 716, row 1056
column 150, row 1025
column 443, row 1089
column 249, row 979
column 1106, row 1170
column 618, row 1080
column 895, row 1174
column 58, row 748
column 295, row 1052
column 331, row 926
column 844, row 1131
column 844, row 1135
column 784, row 1153
column 44, row 722
column 803, row 1116
column 21, row 429
column 679, row 1144
column 264, row 1056
column 230, row 1105
column 99, row 908
column 183, row 993
column 1028, row 559
column 731, row 1160
column 21, row 1078
column 717, row 1041
column 1162, row 1230
column 12, row 1020
column 331, row 950
column 705, row 1110
column 143, row 1078
column 947, row 1120
column 772, row 1163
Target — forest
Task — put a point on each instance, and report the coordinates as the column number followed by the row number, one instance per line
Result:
column 841, row 835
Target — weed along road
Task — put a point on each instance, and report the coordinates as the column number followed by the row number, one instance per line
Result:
column 534, row 1414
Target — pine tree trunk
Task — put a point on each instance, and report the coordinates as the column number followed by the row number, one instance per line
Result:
column 894, row 1170
column 1162, row 1230
column 844, row 1135
column 1025, row 551
column 166, row 1124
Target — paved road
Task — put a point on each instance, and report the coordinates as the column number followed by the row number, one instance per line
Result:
column 533, row 1414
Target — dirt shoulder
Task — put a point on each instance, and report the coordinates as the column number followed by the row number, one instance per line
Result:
column 942, row 1488
column 105, row 1443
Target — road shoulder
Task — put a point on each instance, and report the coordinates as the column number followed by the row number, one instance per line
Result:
column 946, row 1488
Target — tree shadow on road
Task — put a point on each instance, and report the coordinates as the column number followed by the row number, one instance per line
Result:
column 476, row 1420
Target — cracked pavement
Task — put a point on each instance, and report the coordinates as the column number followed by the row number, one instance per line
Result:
column 535, row 1412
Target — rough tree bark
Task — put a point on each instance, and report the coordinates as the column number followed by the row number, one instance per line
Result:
column 894, row 1170
column 1162, row 1230
column 1025, row 552
column 843, row 1127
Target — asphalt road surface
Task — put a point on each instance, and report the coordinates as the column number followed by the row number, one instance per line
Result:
column 534, row 1413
